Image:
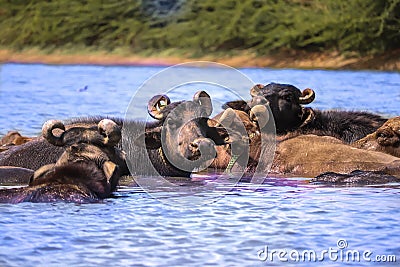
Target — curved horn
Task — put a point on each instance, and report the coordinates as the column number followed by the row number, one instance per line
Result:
column 226, row 118
column 260, row 114
column 204, row 100
column 47, row 132
column 307, row 96
column 111, row 132
column 156, row 104
column 255, row 90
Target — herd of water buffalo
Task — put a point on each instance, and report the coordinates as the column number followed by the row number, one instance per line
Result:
column 82, row 160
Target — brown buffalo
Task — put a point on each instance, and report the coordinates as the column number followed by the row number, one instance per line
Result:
column 311, row 155
column 13, row 138
column 386, row 139
column 244, row 142
column 243, row 133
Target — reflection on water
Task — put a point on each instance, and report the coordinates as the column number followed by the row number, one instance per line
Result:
column 141, row 229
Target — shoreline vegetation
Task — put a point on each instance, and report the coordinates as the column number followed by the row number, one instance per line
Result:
column 389, row 61
column 307, row 34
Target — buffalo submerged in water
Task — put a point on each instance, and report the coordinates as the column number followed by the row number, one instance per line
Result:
column 286, row 104
column 184, row 125
column 304, row 147
column 85, row 172
column 311, row 142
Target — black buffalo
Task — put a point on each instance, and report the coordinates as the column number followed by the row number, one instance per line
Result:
column 85, row 172
column 189, row 140
column 285, row 102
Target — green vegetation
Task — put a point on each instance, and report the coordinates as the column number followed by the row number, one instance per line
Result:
column 203, row 26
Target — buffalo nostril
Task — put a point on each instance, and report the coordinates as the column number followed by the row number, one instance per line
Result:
column 74, row 147
column 194, row 145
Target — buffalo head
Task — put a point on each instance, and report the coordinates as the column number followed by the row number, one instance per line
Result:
column 182, row 133
column 385, row 139
column 244, row 141
column 284, row 100
column 105, row 133
column 90, row 151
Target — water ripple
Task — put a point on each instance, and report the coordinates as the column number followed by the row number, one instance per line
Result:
column 136, row 229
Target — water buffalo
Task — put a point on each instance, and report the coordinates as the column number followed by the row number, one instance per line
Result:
column 311, row 155
column 180, row 140
column 285, row 102
column 85, row 172
column 243, row 144
column 45, row 149
column 182, row 125
column 386, row 139
column 13, row 138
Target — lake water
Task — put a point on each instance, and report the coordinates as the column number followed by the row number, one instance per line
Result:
column 240, row 228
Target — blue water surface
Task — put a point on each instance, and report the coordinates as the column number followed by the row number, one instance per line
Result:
column 140, row 229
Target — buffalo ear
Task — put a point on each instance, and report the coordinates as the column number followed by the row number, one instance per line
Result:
column 256, row 90
column 109, row 168
column 151, row 138
column 204, row 100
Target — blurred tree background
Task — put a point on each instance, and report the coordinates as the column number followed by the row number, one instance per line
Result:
column 203, row 26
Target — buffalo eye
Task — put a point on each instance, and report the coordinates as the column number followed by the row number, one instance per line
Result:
column 287, row 98
column 383, row 135
column 75, row 148
column 102, row 133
